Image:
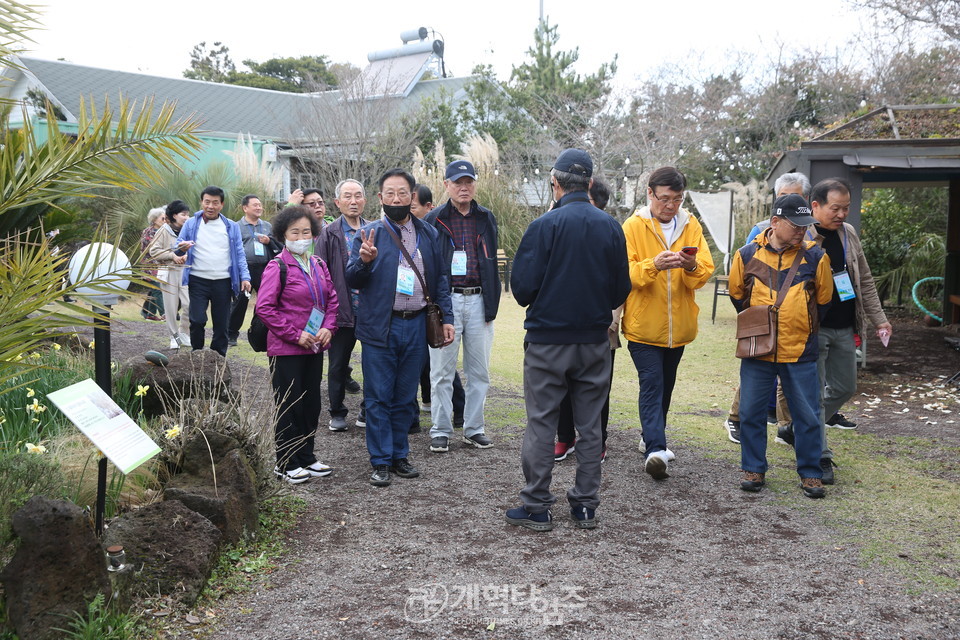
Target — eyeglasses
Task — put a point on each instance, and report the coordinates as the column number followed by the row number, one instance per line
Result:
column 678, row 200
column 390, row 195
column 315, row 203
column 796, row 227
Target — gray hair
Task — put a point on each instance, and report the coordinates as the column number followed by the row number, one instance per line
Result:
column 336, row 191
column 790, row 179
column 570, row 182
column 155, row 213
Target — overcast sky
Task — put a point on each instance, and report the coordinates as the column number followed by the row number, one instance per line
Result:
column 156, row 37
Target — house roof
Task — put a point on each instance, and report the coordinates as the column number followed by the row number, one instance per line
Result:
column 222, row 108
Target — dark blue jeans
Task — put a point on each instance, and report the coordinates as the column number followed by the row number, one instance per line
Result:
column 239, row 310
column 218, row 294
column 657, row 370
column 802, row 389
column 390, row 377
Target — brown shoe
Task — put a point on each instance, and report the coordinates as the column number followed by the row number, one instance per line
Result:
column 752, row 481
column 812, row 487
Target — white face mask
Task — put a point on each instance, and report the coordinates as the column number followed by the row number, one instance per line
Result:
column 298, row 246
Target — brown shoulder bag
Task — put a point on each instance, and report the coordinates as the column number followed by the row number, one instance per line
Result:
column 435, row 337
column 757, row 325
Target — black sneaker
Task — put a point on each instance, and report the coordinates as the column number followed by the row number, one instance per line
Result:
column 232, row 342
column 338, row 423
column 583, row 518
column 537, row 521
column 362, row 418
column 785, row 434
column 733, row 430
column 812, row 487
column 404, row 469
column 352, row 386
column 439, row 444
column 839, row 421
column 415, row 428
column 827, row 465
column 771, row 418
column 380, row 476
column 479, row 440
column 752, row 481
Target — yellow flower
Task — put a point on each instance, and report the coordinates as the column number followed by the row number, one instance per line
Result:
column 172, row 432
column 18, row 358
column 92, row 344
column 3, row 419
column 35, row 448
column 142, row 390
column 56, row 346
column 30, row 392
column 35, row 355
column 36, row 407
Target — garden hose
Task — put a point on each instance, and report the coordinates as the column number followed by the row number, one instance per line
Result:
column 913, row 293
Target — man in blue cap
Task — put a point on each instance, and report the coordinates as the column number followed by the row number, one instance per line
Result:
column 468, row 239
column 573, row 253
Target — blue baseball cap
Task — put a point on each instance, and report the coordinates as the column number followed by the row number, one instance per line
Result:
column 459, row 169
column 576, row 161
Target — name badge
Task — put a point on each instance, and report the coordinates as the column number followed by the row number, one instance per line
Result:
column 257, row 247
column 844, row 286
column 458, row 265
column 405, row 278
column 315, row 322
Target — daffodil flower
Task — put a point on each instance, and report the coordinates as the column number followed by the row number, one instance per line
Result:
column 18, row 358
column 142, row 390
column 172, row 432
column 30, row 392
column 35, row 448
column 3, row 419
column 92, row 344
column 35, row 355
column 56, row 346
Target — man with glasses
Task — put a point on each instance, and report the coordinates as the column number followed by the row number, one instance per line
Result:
column 255, row 235
column 855, row 301
column 313, row 200
column 756, row 276
column 669, row 260
column 391, row 324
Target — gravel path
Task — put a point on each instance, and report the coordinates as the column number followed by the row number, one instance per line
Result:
column 690, row 557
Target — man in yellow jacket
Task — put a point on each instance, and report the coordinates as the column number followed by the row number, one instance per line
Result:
column 669, row 260
column 756, row 276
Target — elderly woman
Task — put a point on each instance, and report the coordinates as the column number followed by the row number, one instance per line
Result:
column 153, row 305
column 298, row 304
column 163, row 251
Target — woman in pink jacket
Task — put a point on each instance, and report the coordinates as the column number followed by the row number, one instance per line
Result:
column 298, row 304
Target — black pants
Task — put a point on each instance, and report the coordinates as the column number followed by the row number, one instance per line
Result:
column 566, row 432
column 239, row 310
column 338, row 371
column 296, row 384
column 218, row 294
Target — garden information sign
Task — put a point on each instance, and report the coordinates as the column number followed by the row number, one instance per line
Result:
column 108, row 427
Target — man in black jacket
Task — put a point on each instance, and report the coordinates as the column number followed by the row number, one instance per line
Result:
column 333, row 246
column 468, row 239
column 570, row 271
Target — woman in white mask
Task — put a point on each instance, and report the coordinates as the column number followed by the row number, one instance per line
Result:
column 298, row 304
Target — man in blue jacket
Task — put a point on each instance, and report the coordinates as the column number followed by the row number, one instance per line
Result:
column 570, row 271
column 392, row 324
column 468, row 238
column 216, row 268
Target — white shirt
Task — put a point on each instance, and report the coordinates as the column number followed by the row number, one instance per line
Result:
column 211, row 254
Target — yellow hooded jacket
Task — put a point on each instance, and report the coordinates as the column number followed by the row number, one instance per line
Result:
column 661, row 309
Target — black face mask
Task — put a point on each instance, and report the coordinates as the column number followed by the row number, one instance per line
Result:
column 396, row 213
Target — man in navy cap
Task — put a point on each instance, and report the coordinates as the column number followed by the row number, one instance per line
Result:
column 468, row 238
column 758, row 271
column 570, row 271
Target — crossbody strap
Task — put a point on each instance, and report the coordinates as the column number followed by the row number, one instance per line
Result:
column 406, row 254
column 782, row 294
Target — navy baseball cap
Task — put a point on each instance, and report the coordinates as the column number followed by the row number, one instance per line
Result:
column 576, row 161
column 795, row 209
column 459, row 169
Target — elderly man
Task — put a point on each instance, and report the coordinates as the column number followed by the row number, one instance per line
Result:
column 255, row 234
column 333, row 247
column 216, row 268
column 669, row 261
column 855, row 301
column 391, row 324
column 468, row 237
column 758, row 272
column 570, row 271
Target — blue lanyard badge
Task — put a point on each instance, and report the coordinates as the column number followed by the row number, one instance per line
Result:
column 844, row 286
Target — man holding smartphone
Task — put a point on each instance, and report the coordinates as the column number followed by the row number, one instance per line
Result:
column 255, row 234
column 669, row 260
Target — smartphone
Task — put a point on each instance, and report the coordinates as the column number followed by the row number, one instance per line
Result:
column 690, row 251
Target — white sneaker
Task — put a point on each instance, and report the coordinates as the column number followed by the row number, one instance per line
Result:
column 184, row 339
column 318, row 469
column 174, row 343
column 293, row 476
column 656, row 465
column 670, row 456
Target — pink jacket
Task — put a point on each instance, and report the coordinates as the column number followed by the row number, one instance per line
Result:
column 286, row 317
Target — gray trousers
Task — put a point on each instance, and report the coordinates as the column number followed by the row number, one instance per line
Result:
column 837, row 366
column 549, row 370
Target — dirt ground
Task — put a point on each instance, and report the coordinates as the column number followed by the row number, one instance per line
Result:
column 691, row 557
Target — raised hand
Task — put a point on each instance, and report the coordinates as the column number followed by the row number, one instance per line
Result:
column 368, row 250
